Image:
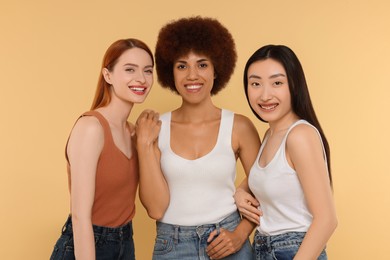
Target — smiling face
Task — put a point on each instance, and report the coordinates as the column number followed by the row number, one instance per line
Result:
column 194, row 77
column 132, row 76
column 268, row 90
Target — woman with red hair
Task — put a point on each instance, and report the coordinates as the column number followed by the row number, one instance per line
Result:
column 103, row 162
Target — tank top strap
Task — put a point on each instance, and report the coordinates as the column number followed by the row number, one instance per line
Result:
column 299, row 122
column 226, row 125
column 103, row 121
column 164, row 138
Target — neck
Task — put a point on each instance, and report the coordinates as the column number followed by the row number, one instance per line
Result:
column 196, row 112
column 283, row 124
column 117, row 113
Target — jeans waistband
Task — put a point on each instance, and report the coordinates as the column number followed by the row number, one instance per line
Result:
column 276, row 240
column 125, row 230
column 196, row 231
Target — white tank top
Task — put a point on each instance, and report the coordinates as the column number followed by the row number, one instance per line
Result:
column 201, row 190
column 280, row 193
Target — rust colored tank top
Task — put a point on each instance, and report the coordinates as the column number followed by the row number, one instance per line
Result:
column 116, row 182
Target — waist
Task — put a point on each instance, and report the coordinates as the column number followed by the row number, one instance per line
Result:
column 196, row 207
column 279, row 240
column 230, row 223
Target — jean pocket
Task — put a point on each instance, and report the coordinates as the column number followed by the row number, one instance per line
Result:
column 162, row 246
column 63, row 250
column 286, row 252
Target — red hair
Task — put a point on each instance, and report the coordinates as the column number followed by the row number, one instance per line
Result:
column 102, row 95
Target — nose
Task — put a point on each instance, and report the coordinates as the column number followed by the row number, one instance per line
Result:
column 192, row 73
column 141, row 77
column 265, row 94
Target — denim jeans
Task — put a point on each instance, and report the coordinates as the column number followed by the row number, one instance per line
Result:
column 280, row 247
column 110, row 243
column 175, row 242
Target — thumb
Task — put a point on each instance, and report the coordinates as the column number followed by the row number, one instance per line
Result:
column 211, row 236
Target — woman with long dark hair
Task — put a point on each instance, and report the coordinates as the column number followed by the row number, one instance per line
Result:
column 291, row 176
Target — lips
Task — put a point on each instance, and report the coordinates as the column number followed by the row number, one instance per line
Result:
column 268, row 107
column 193, row 87
column 139, row 90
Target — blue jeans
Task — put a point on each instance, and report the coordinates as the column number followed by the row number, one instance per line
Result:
column 110, row 243
column 175, row 242
column 280, row 247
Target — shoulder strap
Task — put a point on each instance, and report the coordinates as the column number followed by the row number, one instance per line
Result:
column 104, row 123
column 164, row 138
column 225, row 131
column 302, row 121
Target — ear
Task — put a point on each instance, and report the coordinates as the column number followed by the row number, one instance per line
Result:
column 106, row 74
column 215, row 75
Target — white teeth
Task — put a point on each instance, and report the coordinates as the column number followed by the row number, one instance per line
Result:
column 137, row 89
column 193, row 87
column 268, row 107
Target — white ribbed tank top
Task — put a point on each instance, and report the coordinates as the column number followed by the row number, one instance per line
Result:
column 201, row 190
column 280, row 193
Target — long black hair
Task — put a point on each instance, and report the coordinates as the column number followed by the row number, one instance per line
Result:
column 300, row 98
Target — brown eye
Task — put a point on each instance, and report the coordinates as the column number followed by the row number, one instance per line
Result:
column 278, row 83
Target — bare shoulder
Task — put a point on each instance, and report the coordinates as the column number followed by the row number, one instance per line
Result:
column 244, row 131
column 303, row 137
column 87, row 126
column 243, row 123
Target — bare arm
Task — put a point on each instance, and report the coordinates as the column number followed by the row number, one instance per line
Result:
column 153, row 188
column 246, row 143
column 304, row 152
column 84, row 147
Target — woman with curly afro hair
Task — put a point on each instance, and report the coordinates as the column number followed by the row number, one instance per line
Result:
column 188, row 156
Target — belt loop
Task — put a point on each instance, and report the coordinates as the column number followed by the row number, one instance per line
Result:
column 269, row 246
column 176, row 235
column 67, row 224
column 218, row 227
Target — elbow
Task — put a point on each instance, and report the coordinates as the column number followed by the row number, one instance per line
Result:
column 331, row 223
column 154, row 207
column 155, row 214
column 334, row 223
column 327, row 222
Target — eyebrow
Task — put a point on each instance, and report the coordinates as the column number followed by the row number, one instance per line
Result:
column 135, row 65
column 271, row 77
column 198, row 61
column 130, row 64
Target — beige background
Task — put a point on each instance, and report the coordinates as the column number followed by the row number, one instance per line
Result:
column 50, row 54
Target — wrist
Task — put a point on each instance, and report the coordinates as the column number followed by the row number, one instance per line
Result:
column 244, row 229
column 144, row 146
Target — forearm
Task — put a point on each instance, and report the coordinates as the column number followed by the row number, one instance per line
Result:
column 244, row 185
column 84, row 241
column 154, row 196
column 316, row 238
column 153, row 188
column 244, row 229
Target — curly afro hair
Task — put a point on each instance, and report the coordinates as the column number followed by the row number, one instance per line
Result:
column 204, row 36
